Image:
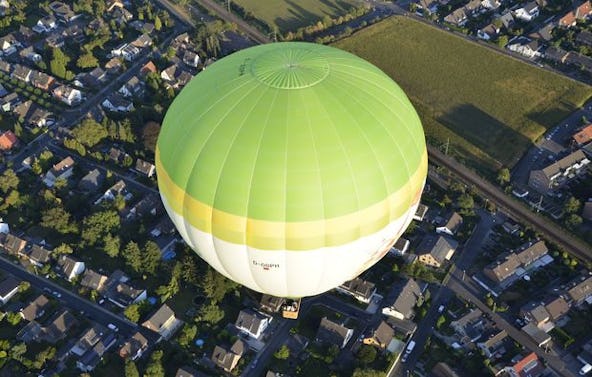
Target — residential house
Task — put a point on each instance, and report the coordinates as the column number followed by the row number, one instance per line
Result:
column 470, row 326
column 408, row 294
column 191, row 58
column 142, row 41
column 30, row 332
column 45, row 25
column 584, row 38
column 163, row 321
column 40, row 118
column 545, row 33
column 62, row 11
column 536, row 313
column 39, row 255
column 58, row 327
column 506, row 19
column 121, row 16
column 186, row 371
column 8, row 141
column 529, row 366
column 5, row 67
column 556, row 55
column 55, row 40
column 491, row 5
column 149, row 205
column 382, row 337
column 458, row 17
column 132, row 88
column 360, row 289
column 126, row 51
column 493, row 343
column 35, row 308
column 451, row 224
column 271, row 303
column 528, row 12
column 91, row 181
column 568, row 20
column 119, row 188
column 525, row 46
column 587, row 210
column 530, row 252
column 557, row 308
column 536, row 334
column 400, row 247
column 117, row 155
column 148, row 68
column 123, row 294
column 25, row 35
column 252, row 323
column 428, row 6
column 403, row 327
column 22, row 73
column 510, row 227
column 227, row 359
column 175, row 76
column 12, row 244
column 9, row 44
column 442, row 369
column 579, row 61
column 30, row 54
column 472, row 7
column 42, row 80
column 164, row 227
column 10, row 101
column 68, row 95
column 116, row 102
column 93, row 280
column 503, row 268
column 113, row 4
column 113, row 66
column 88, row 339
column 330, row 332
column 74, row 33
column 92, row 357
column 488, row 32
column 558, row 173
column 584, row 136
column 420, row 212
column 435, row 250
column 145, row 168
column 70, row 266
column 61, row 170
column 8, row 288
column 583, row 11
column 581, row 292
column 134, row 347
column 23, row 110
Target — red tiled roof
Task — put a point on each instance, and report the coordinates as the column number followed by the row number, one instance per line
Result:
column 7, row 140
column 528, row 365
column 583, row 10
column 568, row 20
column 584, row 135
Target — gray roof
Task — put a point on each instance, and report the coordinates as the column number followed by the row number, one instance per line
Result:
column 144, row 166
column 581, row 291
column 271, row 303
column 453, row 221
column 437, row 246
column 91, row 181
column 531, row 251
column 8, row 285
column 332, row 332
column 495, row 339
column 67, row 263
column 134, row 344
column 250, row 320
column 359, row 287
column 57, row 329
column 584, row 37
column 407, row 296
column 35, row 308
column 39, row 254
column 564, row 163
column 93, row 280
column 158, row 319
column 383, row 333
column 502, row 269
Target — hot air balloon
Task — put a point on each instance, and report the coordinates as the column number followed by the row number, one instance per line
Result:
column 291, row 167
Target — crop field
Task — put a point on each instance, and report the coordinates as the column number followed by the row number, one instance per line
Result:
column 289, row 15
column 490, row 106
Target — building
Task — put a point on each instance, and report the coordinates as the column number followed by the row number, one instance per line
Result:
column 252, row 323
column 12, row 244
column 134, row 347
column 163, row 321
column 558, row 173
column 535, row 313
column 271, row 303
column 70, row 267
column 360, row 289
column 68, row 95
column 382, row 337
column 583, row 136
column 330, row 332
column 469, row 326
column 58, row 327
column 530, row 252
column 92, row 357
column 420, row 212
column 93, row 280
column 123, row 294
column 407, row 296
column 88, row 339
column 581, row 292
column 514, row 264
column 145, row 168
column 525, row 46
column 528, row 12
column 493, row 343
column 8, row 288
column 35, row 309
column 8, row 141
column 441, row 369
column 536, row 334
column 61, row 170
column 435, row 250
column 451, row 224
column 92, row 181
column 587, row 210
column 400, row 247
column 529, row 366
column 557, row 308
column 39, row 255
column 117, row 103
column 227, row 359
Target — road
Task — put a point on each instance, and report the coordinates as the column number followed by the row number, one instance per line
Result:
column 513, row 207
column 72, row 300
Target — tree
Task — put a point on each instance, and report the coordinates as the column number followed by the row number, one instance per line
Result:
column 13, row 318
column 132, row 312
column 131, row 370
column 210, row 313
column 24, row 286
column 367, row 354
column 573, row 221
column 89, row 132
column 96, row 226
column 9, row 181
column 151, row 257
column 503, row 176
column 157, row 23
column 367, row 373
column 502, row 40
column 572, row 205
column 441, row 320
column 119, row 202
column 133, row 256
column 63, row 249
column 187, row 335
column 58, row 219
column 18, row 350
column 282, row 353
column 215, row 286
column 155, row 368
column 465, row 201
column 87, row 60
column 111, row 245
column 58, row 64
column 189, row 272
column 150, row 135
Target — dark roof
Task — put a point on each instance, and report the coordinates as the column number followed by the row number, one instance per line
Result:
column 8, row 285
column 35, row 308
column 359, row 287
column 581, row 291
column 159, row 318
column 39, row 254
column 271, row 303
column 93, row 280
column 383, row 334
column 144, row 167
column 250, row 320
column 134, row 344
column 332, row 332
column 437, row 246
column 564, row 163
column 13, row 244
column 57, row 329
column 453, row 221
column 407, row 295
column 67, row 263
column 91, row 181
column 188, row 372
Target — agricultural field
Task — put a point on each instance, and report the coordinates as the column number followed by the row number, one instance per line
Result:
column 490, row 106
column 289, row 15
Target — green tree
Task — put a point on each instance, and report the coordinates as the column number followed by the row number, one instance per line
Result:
column 503, row 176
column 502, row 40
column 58, row 219
column 63, row 249
column 366, row 354
column 8, row 181
column 282, row 353
column 441, row 320
column 572, row 205
column 215, row 286
column 18, row 350
column 154, row 367
column 87, row 60
column 119, row 202
column 24, row 286
column 189, row 272
column 151, row 257
column 131, row 370
column 13, row 318
column 187, row 335
column 367, row 373
column 58, row 63
column 465, row 201
column 132, row 312
column 89, row 132
column 96, row 226
column 111, row 245
column 210, row 313
column 157, row 23
column 133, row 256
column 573, row 221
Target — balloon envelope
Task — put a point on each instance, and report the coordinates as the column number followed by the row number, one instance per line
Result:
column 291, row 167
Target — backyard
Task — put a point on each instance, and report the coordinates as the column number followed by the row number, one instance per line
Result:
column 490, row 106
column 290, row 15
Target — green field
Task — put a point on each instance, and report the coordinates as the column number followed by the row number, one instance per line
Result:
column 289, row 15
column 491, row 107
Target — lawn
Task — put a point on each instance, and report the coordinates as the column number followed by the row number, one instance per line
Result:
column 491, row 107
column 289, row 15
